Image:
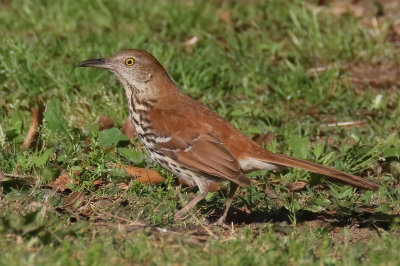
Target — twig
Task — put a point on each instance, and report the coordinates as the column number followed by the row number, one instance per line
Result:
column 123, row 219
column 317, row 70
column 208, row 230
column 30, row 178
column 346, row 124
column 271, row 194
column 18, row 176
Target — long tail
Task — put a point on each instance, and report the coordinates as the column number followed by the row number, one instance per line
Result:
column 279, row 159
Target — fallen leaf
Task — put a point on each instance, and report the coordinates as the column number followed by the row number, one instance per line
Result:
column 61, row 182
column 264, row 140
column 85, row 211
column 99, row 182
column 123, row 186
column 272, row 195
column 245, row 209
column 32, row 249
column 145, row 176
column 225, row 15
column 76, row 172
column 33, row 133
column 340, row 8
column 105, row 123
column 189, row 44
column 103, row 202
column 376, row 75
column 297, row 186
column 75, row 199
column 192, row 41
column 128, row 129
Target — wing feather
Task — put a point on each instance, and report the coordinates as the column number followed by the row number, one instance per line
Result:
column 201, row 151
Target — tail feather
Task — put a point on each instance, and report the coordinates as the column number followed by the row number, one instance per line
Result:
column 319, row 169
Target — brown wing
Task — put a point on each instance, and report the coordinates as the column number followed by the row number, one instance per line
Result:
column 193, row 144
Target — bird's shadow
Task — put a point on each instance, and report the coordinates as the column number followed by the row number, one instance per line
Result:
column 362, row 219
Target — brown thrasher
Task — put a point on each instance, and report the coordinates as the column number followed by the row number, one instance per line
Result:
column 190, row 140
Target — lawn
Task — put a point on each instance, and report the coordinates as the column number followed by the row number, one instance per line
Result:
column 317, row 80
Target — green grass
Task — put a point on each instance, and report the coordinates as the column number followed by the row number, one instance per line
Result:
column 252, row 68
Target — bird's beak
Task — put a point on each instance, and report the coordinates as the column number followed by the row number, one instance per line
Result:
column 100, row 63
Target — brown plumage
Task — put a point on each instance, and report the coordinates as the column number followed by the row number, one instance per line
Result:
column 189, row 139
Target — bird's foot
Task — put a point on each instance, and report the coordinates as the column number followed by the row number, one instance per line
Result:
column 221, row 222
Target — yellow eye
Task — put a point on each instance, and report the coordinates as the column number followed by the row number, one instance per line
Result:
column 129, row 62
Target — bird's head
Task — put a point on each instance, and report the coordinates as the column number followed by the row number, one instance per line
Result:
column 134, row 68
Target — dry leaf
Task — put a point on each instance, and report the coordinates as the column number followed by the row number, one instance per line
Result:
column 33, row 133
column 340, row 8
column 103, row 202
column 377, row 75
column 245, row 209
column 75, row 199
column 224, row 15
column 99, row 182
column 272, row 195
column 76, row 172
column 128, row 129
column 297, row 186
column 105, row 123
column 192, row 41
column 264, row 139
column 145, row 176
column 61, row 182
column 123, row 186
column 189, row 44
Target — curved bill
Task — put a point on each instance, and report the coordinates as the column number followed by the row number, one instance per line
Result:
column 101, row 63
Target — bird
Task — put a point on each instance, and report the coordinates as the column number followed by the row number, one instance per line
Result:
column 190, row 140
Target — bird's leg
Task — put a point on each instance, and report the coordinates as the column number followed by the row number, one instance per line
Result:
column 191, row 204
column 232, row 190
